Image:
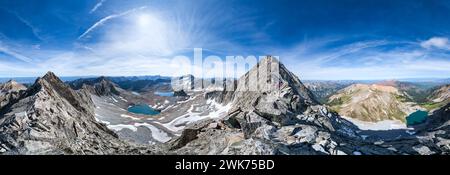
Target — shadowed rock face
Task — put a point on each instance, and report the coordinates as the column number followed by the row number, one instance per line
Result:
column 441, row 94
column 101, row 86
column 51, row 118
column 440, row 118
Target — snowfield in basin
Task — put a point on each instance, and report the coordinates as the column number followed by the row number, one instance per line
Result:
column 378, row 126
column 179, row 123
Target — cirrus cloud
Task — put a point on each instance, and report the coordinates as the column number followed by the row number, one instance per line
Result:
column 436, row 42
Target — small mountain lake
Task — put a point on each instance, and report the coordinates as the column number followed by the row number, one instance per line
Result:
column 417, row 117
column 164, row 94
column 143, row 109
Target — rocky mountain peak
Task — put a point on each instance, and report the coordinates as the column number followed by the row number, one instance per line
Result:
column 103, row 80
column 105, row 87
column 272, row 113
column 101, row 86
column 52, row 118
column 271, row 76
column 272, row 91
column 267, row 94
column 50, row 79
column 11, row 85
column 10, row 91
column 52, row 85
column 50, row 76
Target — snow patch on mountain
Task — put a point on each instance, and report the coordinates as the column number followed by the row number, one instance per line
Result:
column 157, row 133
column 119, row 127
column 130, row 117
column 377, row 126
column 180, row 122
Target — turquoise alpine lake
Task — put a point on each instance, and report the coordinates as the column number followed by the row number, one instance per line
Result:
column 143, row 109
column 417, row 117
column 164, row 94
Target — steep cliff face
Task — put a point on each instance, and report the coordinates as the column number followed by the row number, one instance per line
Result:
column 440, row 118
column 51, row 118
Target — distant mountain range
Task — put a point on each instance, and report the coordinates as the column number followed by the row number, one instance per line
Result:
column 30, row 80
column 92, row 116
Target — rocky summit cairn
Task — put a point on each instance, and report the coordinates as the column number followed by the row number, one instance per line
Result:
column 51, row 118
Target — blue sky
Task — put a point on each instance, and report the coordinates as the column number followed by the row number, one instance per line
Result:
column 316, row 39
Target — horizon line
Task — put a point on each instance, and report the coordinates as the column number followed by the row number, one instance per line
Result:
column 165, row 76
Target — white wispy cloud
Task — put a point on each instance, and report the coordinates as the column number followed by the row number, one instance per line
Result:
column 350, row 49
column 153, row 32
column 413, row 69
column 366, row 60
column 436, row 42
column 143, row 41
column 98, row 5
column 105, row 19
column 5, row 49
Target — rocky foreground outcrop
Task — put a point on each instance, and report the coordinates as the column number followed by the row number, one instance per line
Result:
column 51, row 118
